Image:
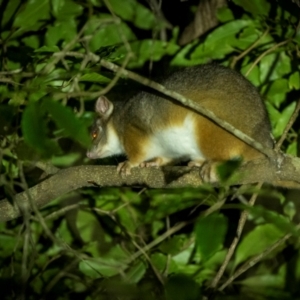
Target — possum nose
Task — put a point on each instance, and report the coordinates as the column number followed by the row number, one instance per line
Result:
column 91, row 155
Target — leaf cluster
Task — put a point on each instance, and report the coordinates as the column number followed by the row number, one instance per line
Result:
column 133, row 243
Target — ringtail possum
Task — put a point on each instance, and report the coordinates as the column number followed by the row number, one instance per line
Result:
column 154, row 130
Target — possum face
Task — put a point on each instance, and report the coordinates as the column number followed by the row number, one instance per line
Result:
column 104, row 138
column 99, row 140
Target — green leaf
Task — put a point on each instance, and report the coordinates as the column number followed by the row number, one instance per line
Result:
column 283, row 66
column 284, row 118
column 181, row 58
column 247, row 37
column 54, row 78
column 145, row 50
column 31, row 41
column 8, row 245
column 275, row 218
column 65, row 160
column 258, row 240
column 297, row 37
column 65, row 234
column 63, row 30
column 9, row 12
column 221, row 41
column 66, row 9
column 184, row 256
column 264, row 66
column 174, row 245
column 290, row 209
column 253, row 76
column 97, row 3
column 50, row 49
column 226, row 169
column 292, row 149
column 255, row 7
column 294, row 81
column 104, row 34
column 273, row 113
column 136, row 272
column 262, row 282
column 164, row 203
column 157, row 226
column 99, row 267
column 13, row 171
column 66, row 119
column 32, row 12
column 224, row 14
column 154, row 49
column 110, row 35
column 83, row 221
column 276, row 92
column 216, row 260
column 94, row 77
column 278, row 63
column 34, row 130
column 128, row 219
column 182, row 287
column 38, row 93
column 135, row 12
column 161, row 262
column 212, row 225
column 4, row 92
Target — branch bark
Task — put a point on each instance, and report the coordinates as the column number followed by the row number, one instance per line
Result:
column 64, row 181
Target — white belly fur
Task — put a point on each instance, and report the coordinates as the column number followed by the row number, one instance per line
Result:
column 176, row 143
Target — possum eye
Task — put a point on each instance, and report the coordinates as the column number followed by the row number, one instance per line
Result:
column 94, row 134
column 95, row 131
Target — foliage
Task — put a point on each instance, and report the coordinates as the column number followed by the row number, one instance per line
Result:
column 131, row 243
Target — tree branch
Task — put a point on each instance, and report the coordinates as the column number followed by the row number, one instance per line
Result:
column 263, row 170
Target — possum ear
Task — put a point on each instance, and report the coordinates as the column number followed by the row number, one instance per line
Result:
column 104, row 107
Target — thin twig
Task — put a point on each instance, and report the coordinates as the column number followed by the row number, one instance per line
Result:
column 57, row 57
column 156, row 272
column 288, row 126
column 7, row 80
column 33, row 204
column 48, row 168
column 16, row 71
column 60, row 55
column 61, row 211
column 235, row 241
column 25, row 255
column 60, row 275
column 119, row 73
column 158, row 240
column 254, row 260
column 264, row 54
column 244, row 53
column 120, row 28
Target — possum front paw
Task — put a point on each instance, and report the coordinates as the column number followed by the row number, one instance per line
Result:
column 208, row 172
column 155, row 162
column 124, row 168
